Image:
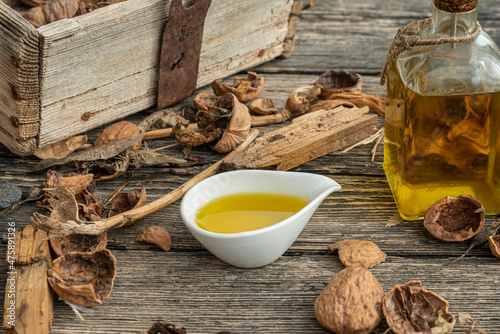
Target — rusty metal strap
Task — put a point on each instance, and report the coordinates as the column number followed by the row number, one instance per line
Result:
column 180, row 52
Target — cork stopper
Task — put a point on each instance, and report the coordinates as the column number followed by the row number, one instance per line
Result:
column 456, row 6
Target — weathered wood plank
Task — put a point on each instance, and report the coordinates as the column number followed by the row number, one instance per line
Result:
column 19, row 87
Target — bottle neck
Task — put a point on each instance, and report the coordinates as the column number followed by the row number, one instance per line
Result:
column 447, row 24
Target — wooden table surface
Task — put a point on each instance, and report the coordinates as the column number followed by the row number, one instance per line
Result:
column 191, row 288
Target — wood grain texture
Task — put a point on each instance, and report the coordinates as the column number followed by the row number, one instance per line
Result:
column 191, row 288
column 19, row 86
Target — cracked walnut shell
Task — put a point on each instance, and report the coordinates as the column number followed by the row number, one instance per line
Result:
column 409, row 308
column 156, row 235
column 494, row 242
column 245, row 89
column 455, row 218
column 351, row 303
column 358, row 253
column 83, row 278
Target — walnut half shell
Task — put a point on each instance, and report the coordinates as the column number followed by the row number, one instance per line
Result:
column 409, row 308
column 83, row 278
column 494, row 242
column 455, row 218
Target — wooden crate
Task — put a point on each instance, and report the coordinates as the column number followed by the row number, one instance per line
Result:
column 73, row 75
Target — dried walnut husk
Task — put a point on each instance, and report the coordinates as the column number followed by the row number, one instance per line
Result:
column 125, row 201
column 358, row 253
column 329, row 105
column 298, row 101
column 78, row 243
column 351, row 303
column 409, row 308
column 156, row 235
column 204, row 100
column 83, row 278
column 245, row 89
column 494, row 242
column 238, row 127
column 117, row 131
column 36, row 3
column 455, row 218
column 339, row 82
column 263, row 106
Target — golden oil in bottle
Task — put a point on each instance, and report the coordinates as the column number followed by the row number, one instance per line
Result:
column 442, row 118
column 438, row 146
column 247, row 211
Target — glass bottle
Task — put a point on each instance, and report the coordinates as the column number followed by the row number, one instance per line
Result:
column 442, row 123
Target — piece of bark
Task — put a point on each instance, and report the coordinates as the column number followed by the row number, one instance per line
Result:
column 29, row 305
column 306, row 138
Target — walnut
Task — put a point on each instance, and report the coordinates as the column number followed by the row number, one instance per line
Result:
column 409, row 308
column 351, row 303
column 298, row 102
column 494, row 242
column 83, row 278
column 263, row 106
column 245, row 89
column 358, row 253
column 156, row 235
column 117, row 131
column 455, row 218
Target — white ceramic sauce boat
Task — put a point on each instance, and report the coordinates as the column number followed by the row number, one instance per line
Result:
column 260, row 247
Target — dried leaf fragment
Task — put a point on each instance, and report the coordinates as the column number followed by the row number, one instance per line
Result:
column 156, row 235
column 455, row 218
column 262, row 106
column 409, row 308
column 494, row 242
column 358, row 253
column 120, row 130
column 125, row 201
column 83, row 278
column 351, row 303
column 339, row 82
column 62, row 148
column 245, row 89
column 298, row 101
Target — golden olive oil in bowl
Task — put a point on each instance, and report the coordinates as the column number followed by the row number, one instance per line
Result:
column 244, row 212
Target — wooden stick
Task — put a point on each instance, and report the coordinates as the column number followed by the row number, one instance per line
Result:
column 29, row 305
column 67, row 206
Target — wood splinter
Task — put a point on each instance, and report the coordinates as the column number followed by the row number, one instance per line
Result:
column 29, row 305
